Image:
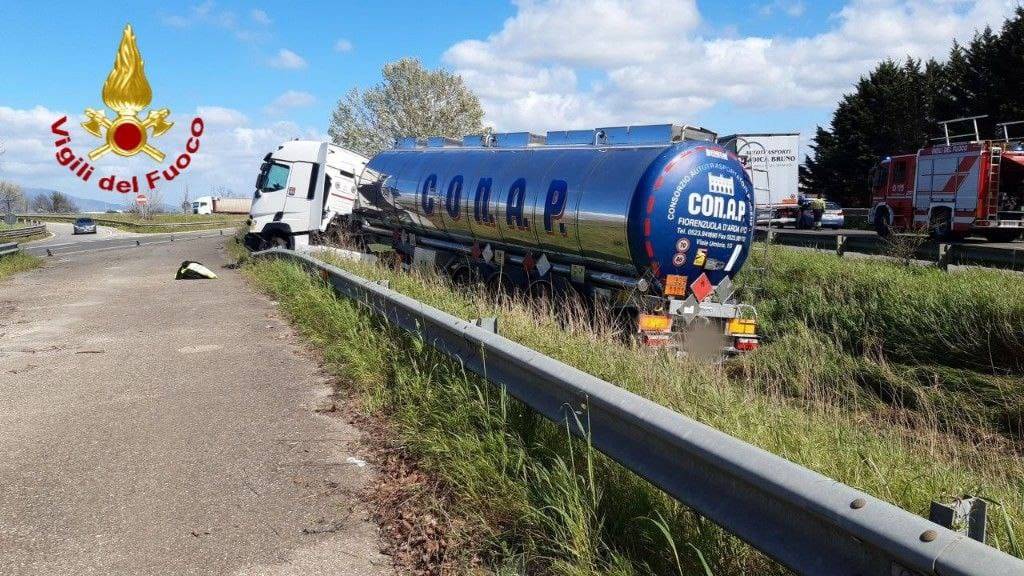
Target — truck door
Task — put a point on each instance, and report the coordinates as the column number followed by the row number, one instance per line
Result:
column 271, row 190
column 900, row 192
column 880, row 183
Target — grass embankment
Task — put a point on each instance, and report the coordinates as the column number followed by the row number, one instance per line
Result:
column 157, row 223
column 532, row 501
column 19, row 262
column 948, row 347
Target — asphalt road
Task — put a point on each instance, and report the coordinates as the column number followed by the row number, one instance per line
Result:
column 154, row 426
column 64, row 246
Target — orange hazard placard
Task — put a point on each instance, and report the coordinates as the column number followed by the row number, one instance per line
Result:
column 675, row 285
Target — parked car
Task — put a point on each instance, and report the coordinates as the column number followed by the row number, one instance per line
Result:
column 84, row 226
column 833, row 216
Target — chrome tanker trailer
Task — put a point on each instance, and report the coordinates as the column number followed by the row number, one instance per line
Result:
column 654, row 220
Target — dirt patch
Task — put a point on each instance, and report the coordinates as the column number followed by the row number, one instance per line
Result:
column 408, row 503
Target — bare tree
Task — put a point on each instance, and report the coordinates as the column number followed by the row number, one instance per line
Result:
column 61, row 203
column 12, row 199
column 186, row 204
column 42, row 204
column 154, row 205
column 410, row 101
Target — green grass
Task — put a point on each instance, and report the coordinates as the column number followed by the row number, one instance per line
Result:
column 948, row 346
column 18, row 262
column 538, row 503
column 157, row 223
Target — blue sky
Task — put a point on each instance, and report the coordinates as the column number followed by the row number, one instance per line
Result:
column 261, row 73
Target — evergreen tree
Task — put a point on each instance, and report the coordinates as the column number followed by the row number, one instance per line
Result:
column 895, row 109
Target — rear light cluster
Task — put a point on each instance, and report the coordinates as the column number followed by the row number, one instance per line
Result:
column 746, row 344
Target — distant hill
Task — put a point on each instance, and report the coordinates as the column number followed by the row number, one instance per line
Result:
column 84, row 204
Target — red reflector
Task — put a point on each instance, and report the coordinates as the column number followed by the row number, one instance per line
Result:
column 746, row 344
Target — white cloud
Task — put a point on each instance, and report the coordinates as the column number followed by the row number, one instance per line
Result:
column 287, row 60
column 259, row 16
column 218, row 115
column 561, row 64
column 210, row 15
column 231, row 149
column 792, row 8
column 290, row 99
column 343, row 45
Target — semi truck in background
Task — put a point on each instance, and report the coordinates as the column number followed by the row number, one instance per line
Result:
column 773, row 160
column 650, row 221
column 218, row 205
column 961, row 186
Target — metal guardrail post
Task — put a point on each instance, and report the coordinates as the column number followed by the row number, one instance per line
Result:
column 806, row 521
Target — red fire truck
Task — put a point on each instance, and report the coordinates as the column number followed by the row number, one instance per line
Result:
column 954, row 188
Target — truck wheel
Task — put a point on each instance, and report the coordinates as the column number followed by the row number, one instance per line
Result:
column 940, row 225
column 882, row 225
column 279, row 241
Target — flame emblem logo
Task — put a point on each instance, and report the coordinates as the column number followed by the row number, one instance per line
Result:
column 127, row 92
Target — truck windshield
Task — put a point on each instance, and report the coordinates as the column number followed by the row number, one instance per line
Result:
column 272, row 177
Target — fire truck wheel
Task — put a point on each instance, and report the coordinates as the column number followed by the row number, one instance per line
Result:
column 882, row 225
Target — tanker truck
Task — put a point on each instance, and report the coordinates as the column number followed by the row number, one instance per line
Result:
column 653, row 221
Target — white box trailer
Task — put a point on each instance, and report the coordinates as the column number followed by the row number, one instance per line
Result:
column 775, row 161
column 232, row 205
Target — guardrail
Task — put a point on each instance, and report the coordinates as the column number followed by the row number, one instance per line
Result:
column 804, row 520
column 113, row 222
column 24, row 232
column 9, row 248
column 944, row 255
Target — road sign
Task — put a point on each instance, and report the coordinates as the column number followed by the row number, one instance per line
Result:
column 141, row 199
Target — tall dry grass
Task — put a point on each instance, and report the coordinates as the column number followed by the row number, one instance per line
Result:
column 551, row 505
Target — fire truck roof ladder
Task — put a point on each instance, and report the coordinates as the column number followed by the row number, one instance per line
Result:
column 1005, row 127
column 994, row 169
column 948, row 138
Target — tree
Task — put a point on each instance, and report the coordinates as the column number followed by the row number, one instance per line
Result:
column 895, row 109
column 186, row 203
column 12, row 199
column 42, row 204
column 890, row 112
column 154, row 205
column 62, row 203
column 410, row 101
column 55, row 203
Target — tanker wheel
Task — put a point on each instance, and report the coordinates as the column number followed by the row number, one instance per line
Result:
column 541, row 290
column 465, row 275
column 499, row 284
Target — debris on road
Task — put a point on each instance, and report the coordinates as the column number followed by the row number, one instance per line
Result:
column 194, row 271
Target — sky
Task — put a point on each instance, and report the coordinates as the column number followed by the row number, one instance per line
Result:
column 260, row 73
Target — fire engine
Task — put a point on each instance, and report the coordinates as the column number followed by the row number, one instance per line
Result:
column 955, row 188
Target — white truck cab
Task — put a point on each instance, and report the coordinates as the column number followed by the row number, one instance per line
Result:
column 302, row 188
column 203, row 205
